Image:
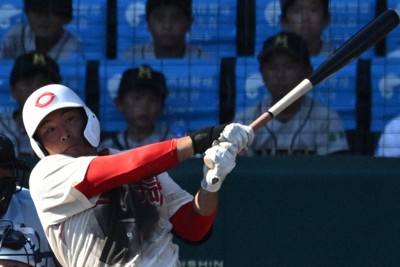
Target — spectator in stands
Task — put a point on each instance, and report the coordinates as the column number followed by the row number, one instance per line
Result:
column 305, row 127
column 168, row 22
column 30, row 71
column 16, row 205
column 308, row 18
column 44, row 32
column 389, row 141
column 141, row 95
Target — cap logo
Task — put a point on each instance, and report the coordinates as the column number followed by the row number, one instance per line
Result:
column 144, row 72
column 44, row 99
column 281, row 41
column 39, row 59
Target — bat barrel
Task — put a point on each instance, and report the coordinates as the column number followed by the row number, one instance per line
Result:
column 354, row 47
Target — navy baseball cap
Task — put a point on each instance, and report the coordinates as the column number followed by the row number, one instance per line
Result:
column 287, row 42
column 142, row 77
column 30, row 64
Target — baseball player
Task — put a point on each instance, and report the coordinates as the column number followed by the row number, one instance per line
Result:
column 118, row 209
column 16, row 205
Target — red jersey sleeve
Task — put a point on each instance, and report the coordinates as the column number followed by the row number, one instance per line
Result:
column 190, row 225
column 111, row 171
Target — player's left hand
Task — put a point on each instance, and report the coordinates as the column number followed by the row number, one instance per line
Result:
column 241, row 136
column 224, row 162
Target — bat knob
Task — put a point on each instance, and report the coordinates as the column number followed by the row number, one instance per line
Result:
column 209, row 163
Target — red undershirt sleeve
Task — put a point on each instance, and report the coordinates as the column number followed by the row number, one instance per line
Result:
column 190, row 225
column 111, row 171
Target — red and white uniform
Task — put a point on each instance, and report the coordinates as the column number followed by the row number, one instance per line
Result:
column 73, row 200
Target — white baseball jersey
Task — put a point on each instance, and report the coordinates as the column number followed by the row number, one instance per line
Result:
column 21, row 40
column 313, row 130
column 78, row 227
column 146, row 51
column 389, row 141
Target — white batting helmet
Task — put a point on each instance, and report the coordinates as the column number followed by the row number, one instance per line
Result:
column 52, row 97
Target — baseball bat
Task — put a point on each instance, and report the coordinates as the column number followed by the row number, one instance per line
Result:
column 363, row 39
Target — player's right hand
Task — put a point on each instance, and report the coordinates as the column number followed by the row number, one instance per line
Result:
column 224, row 162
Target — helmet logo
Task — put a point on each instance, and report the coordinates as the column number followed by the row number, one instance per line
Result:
column 44, row 99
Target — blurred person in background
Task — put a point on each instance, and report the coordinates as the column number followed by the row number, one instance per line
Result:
column 29, row 72
column 306, row 127
column 308, row 18
column 16, row 205
column 44, row 32
column 168, row 21
column 140, row 99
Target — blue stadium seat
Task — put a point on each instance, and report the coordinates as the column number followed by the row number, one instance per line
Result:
column 89, row 26
column 7, row 103
column 347, row 17
column 192, row 102
column 250, row 87
column 11, row 13
column 338, row 92
column 73, row 75
column 214, row 27
column 385, row 83
column 393, row 38
column 268, row 15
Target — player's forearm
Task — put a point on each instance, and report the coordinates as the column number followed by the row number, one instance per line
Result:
column 184, row 148
column 205, row 203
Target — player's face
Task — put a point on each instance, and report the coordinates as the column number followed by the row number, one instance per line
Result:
column 24, row 88
column 11, row 263
column 306, row 18
column 281, row 72
column 45, row 24
column 141, row 108
column 168, row 26
column 61, row 132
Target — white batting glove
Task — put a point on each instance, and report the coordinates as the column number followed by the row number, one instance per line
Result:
column 224, row 162
column 241, row 136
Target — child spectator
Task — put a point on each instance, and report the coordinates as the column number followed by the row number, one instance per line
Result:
column 168, row 21
column 44, row 32
column 30, row 71
column 306, row 126
column 308, row 18
column 141, row 95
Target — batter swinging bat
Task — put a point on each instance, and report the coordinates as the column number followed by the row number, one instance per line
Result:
column 370, row 34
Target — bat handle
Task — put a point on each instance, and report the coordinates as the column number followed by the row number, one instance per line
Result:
column 256, row 125
column 301, row 89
